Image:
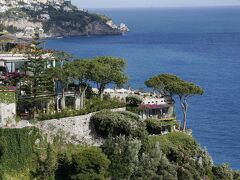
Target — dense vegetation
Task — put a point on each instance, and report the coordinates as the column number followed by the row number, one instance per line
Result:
column 82, row 163
column 25, row 154
column 17, row 151
column 129, row 150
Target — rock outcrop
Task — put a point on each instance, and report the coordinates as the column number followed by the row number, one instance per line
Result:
column 92, row 28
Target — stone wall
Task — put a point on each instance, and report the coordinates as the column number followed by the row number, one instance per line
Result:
column 7, row 114
column 75, row 129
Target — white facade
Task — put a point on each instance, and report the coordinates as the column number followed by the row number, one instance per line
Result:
column 157, row 108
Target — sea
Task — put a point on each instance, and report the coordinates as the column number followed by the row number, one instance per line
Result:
column 201, row 45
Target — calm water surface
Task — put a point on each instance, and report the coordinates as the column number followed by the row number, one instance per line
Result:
column 200, row 45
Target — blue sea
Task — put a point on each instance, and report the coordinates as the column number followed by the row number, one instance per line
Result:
column 201, row 45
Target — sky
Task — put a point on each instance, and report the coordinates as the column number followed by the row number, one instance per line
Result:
column 152, row 3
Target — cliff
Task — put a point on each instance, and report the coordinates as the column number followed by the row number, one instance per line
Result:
column 52, row 21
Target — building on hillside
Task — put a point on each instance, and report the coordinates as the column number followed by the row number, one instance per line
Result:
column 157, row 108
column 120, row 94
column 7, row 106
column 12, row 55
column 162, row 110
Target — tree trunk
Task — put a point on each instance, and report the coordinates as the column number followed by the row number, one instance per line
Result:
column 77, row 101
column 185, row 121
column 63, row 105
column 80, row 93
column 101, row 89
column 185, row 110
column 82, row 96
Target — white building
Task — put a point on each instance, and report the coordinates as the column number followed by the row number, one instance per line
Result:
column 157, row 107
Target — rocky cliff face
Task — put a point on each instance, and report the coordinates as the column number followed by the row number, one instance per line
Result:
column 92, row 28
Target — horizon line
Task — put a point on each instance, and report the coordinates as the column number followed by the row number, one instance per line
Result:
column 162, row 7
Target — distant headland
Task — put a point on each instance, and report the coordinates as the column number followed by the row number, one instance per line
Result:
column 53, row 19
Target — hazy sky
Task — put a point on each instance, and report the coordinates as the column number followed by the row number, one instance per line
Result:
column 151, row 3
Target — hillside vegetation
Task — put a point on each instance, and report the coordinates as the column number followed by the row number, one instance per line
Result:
column 25, row 154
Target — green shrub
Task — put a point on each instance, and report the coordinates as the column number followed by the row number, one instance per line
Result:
column 177, row 140
column 130, row 115
column 83, row 163
column 123, row 153
column 107, row 123
column 134, row 100
column 156, row 126
column 129, row 161
column 46, row 165
column 132, row 109
column 236, row 175
column 222, row 172
column 181, row 149
column 132, row 103
column 153, row 126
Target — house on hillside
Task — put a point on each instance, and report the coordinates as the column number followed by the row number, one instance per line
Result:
column 161, row 109
column 12, row 55
column 157, row 108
